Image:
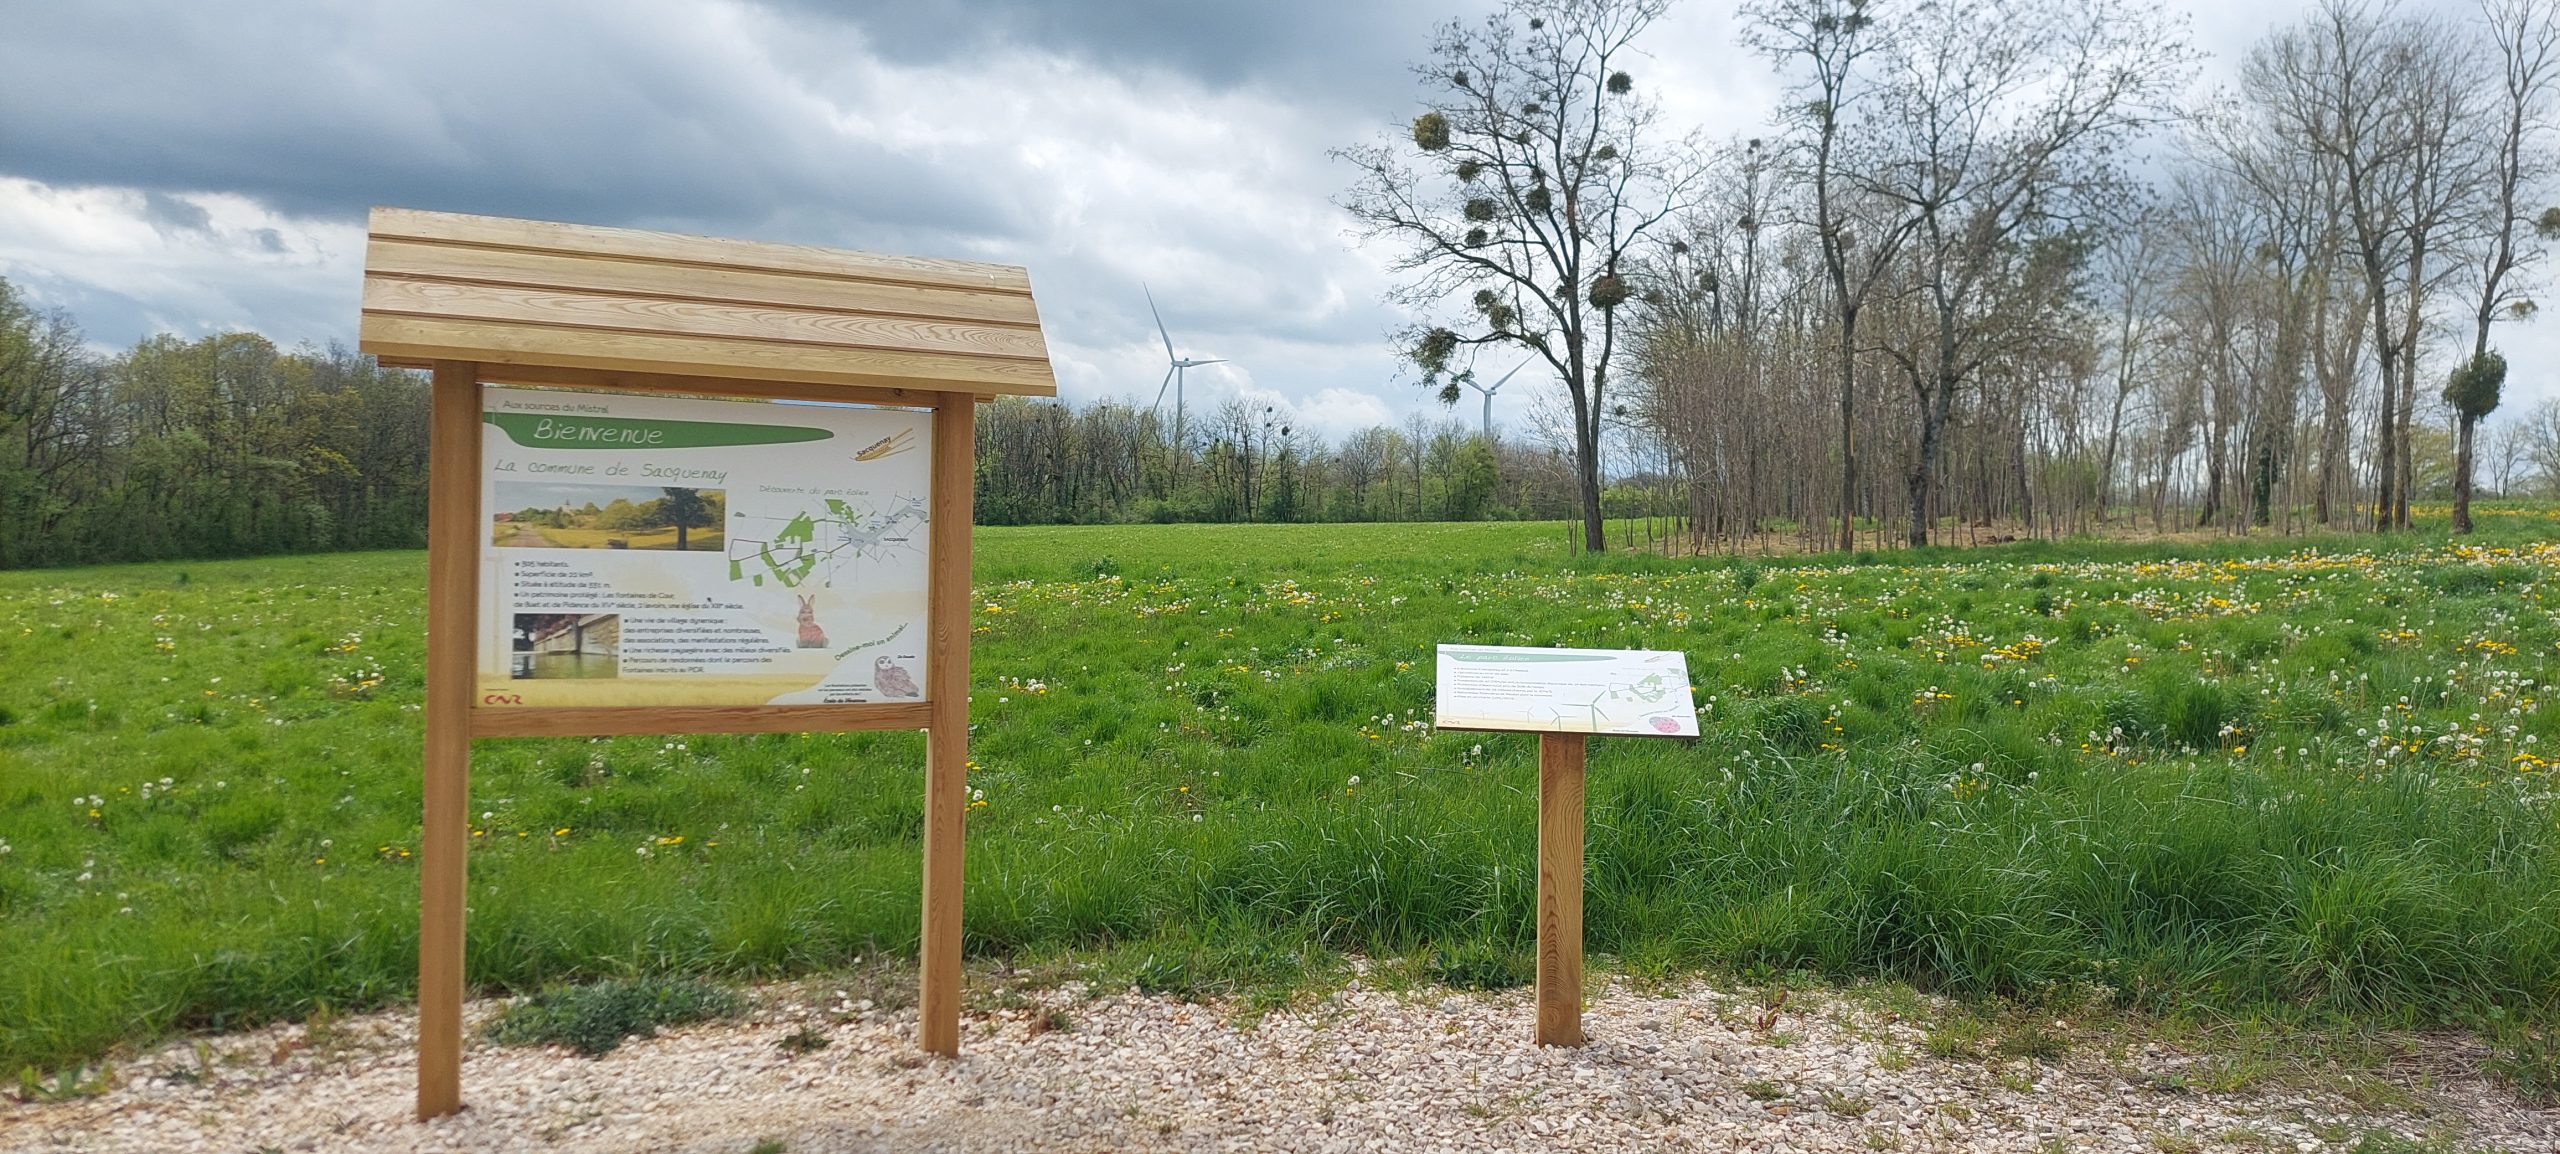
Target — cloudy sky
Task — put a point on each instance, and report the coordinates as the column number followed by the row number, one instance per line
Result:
column 190, row 167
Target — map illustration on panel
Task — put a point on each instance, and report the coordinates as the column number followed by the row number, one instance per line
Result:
column 826, row 544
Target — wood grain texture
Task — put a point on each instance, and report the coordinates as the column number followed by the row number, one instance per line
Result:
column 623, row 275
column 565, row 308
column 453, row 579
column 1560, row 758
column 618, row 721
column 442, row 286
column 543, row 235
column 946, row 790
column 411, row 339
column 714, row 387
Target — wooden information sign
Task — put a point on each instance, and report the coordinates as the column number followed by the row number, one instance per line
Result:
column 1564, row 696
column 627, row 535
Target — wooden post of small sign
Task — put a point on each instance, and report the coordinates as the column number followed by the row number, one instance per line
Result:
column 1560, row 888
column 946, row 785
column 453, row 584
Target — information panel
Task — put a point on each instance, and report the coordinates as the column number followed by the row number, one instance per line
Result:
column 658, row 551
column 1630, row 692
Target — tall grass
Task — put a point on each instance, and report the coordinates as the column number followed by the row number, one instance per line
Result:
column 1201, row 761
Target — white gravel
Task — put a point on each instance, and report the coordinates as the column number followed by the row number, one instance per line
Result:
column 1430, row 1070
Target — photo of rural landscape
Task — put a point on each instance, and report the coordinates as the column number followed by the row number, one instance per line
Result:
column 539, row 515
column 2093, row 467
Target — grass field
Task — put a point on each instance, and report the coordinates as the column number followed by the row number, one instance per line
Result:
column 2254, row 778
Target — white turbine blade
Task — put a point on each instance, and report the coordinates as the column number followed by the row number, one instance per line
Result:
column 1168, row 383
column 1506, row 377
column 1197, row 364
column 1151, row 310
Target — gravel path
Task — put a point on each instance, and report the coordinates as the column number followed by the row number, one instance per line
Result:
column 1431, row 1070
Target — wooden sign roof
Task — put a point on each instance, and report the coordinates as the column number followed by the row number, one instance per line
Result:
column 443, row 286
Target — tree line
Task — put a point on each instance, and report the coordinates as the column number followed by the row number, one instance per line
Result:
column 1047, row 462
column 221, row 447
column 228, row 446
column 1990, row 260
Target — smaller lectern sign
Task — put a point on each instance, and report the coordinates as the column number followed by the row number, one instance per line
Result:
column 1628, row 692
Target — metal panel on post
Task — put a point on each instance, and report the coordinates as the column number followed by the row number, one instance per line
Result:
column 1563, row 695
column 453, row 583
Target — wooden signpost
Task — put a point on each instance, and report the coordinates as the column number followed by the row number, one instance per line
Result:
column 643, row 543
column 1564, row 696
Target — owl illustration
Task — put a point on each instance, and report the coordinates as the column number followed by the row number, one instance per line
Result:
column 892, row 680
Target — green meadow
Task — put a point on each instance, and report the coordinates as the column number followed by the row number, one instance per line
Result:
column 2294, row 778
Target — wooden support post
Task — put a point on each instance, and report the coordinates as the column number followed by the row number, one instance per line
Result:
column 946, row 772
column 1560, row 888
column 453, row 593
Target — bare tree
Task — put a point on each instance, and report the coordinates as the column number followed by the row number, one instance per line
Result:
column 2131, row 265
column 2527, row 35
column 2539, row 429
column 2505, row 455
column 2378, row 96
column 2002, row 119
column 2216, row 309
column 1363, row 456
column 1540, row 169
column 1859, row 234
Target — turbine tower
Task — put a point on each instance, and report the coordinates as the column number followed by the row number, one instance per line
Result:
column 1173, row 375
column 1489, row 392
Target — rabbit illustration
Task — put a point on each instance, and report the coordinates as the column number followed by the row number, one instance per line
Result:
column 811, row 637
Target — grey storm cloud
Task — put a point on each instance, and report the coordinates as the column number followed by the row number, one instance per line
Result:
column 1344, row 52
column 579, row 112
column 1105, row 145
column 597, row 111
column 168, row 212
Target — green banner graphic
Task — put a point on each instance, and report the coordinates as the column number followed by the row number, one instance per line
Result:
column 543, row 431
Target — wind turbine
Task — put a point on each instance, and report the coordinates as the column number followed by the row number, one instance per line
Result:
column 1173, row 375
column 1489, row 392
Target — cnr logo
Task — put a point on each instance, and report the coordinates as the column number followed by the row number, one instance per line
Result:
column 501, row 699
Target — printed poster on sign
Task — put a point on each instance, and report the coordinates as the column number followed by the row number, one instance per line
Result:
column 1621, row 692
column 656, row 551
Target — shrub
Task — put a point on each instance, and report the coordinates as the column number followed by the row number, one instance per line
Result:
column 593, row 1019
column 2133, row 714
column 1483, row 966
column 2474, row 580
column 2193, row 711
column 2527, row 1059
column 1788, row 724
